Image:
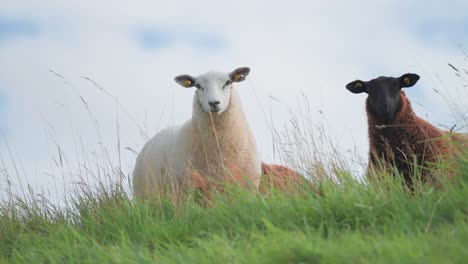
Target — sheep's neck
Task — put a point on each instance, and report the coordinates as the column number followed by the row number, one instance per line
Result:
column 219, row 141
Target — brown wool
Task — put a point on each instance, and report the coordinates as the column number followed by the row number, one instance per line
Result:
column 405, row 141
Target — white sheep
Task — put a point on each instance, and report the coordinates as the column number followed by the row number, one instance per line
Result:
column 217, row 138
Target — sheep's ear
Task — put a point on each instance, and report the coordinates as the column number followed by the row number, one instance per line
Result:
column 408, row 80
column 239, row 74
column 186, row 81
column 357, row 86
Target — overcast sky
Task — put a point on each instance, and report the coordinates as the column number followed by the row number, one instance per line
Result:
column 134, row 49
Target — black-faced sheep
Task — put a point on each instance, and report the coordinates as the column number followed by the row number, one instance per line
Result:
column 396, row 135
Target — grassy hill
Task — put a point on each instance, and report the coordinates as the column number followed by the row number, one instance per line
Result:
column 348, row 222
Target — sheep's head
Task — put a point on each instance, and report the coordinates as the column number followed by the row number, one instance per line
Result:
column 384, row 93
column 213, row 88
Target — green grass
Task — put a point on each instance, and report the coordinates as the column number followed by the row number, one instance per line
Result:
column 348, row 223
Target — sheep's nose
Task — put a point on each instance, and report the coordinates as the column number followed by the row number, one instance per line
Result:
column 388, row 108
column 214, row 103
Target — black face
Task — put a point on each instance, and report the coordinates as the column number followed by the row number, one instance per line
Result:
column 384, row 93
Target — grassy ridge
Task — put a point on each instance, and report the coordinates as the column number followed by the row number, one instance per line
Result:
column 349, row 222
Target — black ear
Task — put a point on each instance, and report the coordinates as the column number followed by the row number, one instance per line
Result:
column 408, row 80
column 357, row 87
column 186, row 81
column 239, row 74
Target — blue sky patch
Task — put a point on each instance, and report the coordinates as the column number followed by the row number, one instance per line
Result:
column 154, row 39
column 13, row 28
column 443, row 31
column 207, row 41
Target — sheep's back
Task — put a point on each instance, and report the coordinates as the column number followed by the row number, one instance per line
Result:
column 162, row 161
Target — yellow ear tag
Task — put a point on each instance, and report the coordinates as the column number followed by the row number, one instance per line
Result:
column 237, row 77
column 407, row 80
column 187, row 83
column 358, row 85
